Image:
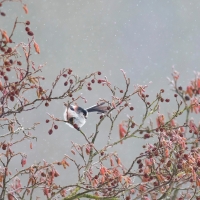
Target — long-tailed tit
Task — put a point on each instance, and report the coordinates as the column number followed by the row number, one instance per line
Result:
column 76, row 116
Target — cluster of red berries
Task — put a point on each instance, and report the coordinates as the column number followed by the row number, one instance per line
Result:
column 65, row 76
column 28, row 30
column 162, row 99
column 131, row 108
column 13, row 89
column 6, row 51
column 51, row 130
column 93, row 81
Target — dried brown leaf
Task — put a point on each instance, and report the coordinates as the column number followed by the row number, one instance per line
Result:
column 37, row 48
column 25, row 9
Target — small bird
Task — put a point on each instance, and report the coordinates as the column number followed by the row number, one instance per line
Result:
column 76, row 116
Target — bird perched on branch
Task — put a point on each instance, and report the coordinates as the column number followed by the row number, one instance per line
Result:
column 76, row 116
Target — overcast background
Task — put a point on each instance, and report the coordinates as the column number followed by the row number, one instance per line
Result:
column 145, row 38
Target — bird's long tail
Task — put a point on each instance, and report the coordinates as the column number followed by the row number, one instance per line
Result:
column 98, row 108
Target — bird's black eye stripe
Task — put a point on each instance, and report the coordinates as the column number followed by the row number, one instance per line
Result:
column 71, row 108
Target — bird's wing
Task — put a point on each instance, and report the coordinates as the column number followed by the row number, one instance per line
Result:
column 98, row 108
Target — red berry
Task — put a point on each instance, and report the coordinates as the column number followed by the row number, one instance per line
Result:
column 89, row 88
column 99, row 73
column 65, row 75
column 140, row 165
column 96, row 176
column 146, row 175
column 161, row 99
column 167, row 100
column 155, row 183
column 70, row 71
column 70, row 94
column 140, row 170
column 17, row 92
column 4, row 146
column 65, row 83
column 47, row 120
column 30, row 33
column 162, row 90
column 76, row 126
column 12, row 98
column 71, row 81
column 50, row 131
column 132, row 125
column 175, row 95
column 3, row 49
column 46, row 104
column 131, row 108
column 43, row 174
column 187, row 98
column 19, row 63
column 56, row 126
column 5, row 78
column 9, row 50
column 180, row 88
column 3, row 14
column 99, row 81
column 8, row 69
column 93, row 81
column 121, row 91
column 108, row 108
column 2, row 73
column 139, row 161
column 27, row 29
column 146, row 136
column 147, row 95
column 27, row 23
column 126, row 104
